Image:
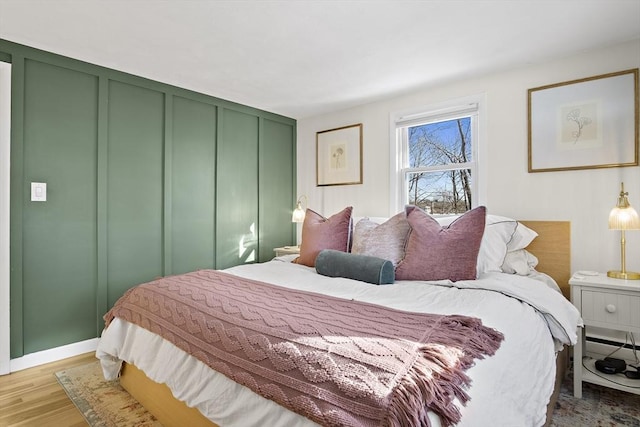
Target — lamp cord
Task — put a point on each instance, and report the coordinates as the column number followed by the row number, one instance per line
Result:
column 628, row 337
column 607, row 378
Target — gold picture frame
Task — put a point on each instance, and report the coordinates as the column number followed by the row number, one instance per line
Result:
column 584, row 124
column 339, row 156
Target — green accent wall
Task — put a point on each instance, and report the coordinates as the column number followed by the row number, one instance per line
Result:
column 143, row 180
column 237, row 198
column 59, row 257
column 134, row 186
column 193, row 186
column 272, row 175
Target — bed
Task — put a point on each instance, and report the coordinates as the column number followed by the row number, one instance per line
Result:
column 519, row 381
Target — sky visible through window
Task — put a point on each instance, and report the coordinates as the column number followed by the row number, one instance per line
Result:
column 443, row 146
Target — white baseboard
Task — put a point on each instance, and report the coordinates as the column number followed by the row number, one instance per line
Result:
column 53, row 354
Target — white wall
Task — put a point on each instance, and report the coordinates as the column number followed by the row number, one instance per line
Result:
column 583, row 197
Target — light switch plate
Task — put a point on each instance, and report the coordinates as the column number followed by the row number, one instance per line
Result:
column 38, row 191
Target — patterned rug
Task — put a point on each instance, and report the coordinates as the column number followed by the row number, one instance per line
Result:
column 105, row 403
column 599, row 407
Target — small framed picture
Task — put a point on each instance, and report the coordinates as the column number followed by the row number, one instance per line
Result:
column 339, row 156
column 584, row 124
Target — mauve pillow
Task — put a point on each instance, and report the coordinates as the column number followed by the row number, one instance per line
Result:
column 320, row 233
column 434, row 252
column 501, row 235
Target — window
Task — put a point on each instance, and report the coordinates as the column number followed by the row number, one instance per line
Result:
column 437, row 160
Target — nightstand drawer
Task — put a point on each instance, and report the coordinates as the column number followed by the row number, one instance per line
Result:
column 600, row 308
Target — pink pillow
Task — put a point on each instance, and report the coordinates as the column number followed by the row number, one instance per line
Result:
column 320, row 233
column 434, row 252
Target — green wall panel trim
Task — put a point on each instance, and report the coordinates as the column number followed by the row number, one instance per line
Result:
column 237, row 190
column 135, row 190
column 163, row 185
column 15, row 208
column 102, row 292
column 59, row 234
column 5, row 57
column 167, row 235
column 193, row 185
column 277, row 184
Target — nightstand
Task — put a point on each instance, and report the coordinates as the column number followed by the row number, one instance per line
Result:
column 606, row 303
column 287, row 250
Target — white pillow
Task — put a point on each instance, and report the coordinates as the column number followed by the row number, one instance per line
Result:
column 521, row 238
column 498, row 232
column 520, row 262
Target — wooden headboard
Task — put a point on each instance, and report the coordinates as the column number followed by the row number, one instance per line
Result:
column 552, row 247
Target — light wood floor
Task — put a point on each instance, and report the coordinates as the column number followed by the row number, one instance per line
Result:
column 33, row 397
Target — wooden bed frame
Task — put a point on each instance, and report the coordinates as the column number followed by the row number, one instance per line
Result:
column 552, row 247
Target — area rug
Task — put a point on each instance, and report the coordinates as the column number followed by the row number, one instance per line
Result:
column 599, row 407
column 106, row 403
column 103, row 403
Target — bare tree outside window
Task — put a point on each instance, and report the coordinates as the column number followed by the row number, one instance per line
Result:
column 438, row 176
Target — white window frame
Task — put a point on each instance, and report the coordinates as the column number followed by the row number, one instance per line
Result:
column 449, row 110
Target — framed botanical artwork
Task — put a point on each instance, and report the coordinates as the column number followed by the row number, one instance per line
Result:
column 584, row 124
column 339, row 156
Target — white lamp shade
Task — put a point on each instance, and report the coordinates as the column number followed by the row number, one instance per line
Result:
column 624, row 219
column 298, row 214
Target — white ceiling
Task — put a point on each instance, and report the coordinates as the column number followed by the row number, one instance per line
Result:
column 302, row 58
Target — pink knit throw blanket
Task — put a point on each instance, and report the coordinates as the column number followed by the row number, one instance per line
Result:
column 338, row 362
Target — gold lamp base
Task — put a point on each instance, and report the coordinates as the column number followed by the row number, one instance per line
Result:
column 626, row 275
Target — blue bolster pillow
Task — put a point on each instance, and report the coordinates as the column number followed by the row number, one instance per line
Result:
column 365, row 268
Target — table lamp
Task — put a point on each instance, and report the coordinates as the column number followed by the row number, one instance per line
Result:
column 299, row 213
column 623, row 217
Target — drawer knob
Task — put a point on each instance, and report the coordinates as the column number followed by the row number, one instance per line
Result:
column 611, row 308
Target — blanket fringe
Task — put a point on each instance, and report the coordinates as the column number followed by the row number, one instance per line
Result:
column 438, row 375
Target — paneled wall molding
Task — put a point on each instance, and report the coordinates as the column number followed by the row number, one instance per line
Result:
column 102, row 291
column 144, row 180
column 167, row 204
column 15, row 210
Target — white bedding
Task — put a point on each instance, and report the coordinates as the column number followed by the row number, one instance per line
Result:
column 511, row 388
